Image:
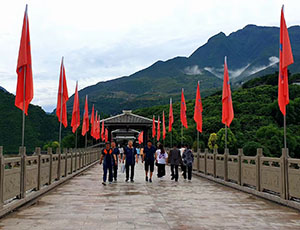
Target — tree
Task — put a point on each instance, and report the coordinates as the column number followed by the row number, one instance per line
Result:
column 212, row 141
column 231, row 140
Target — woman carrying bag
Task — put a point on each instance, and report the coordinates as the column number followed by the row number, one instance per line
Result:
column 161, row 160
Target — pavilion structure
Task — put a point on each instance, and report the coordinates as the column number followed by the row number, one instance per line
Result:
column 127, row 126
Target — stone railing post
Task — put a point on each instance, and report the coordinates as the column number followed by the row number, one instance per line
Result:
column 198, row 160
column 1, row 176
column 284, row 174
column 58, row 152
column 22, row 152
column 71, row 158
column 49, row 152
column 257, row 162
column 75, row 165
column 240, row 154
column 205, row 161
column 66, row 162
column 215, row 159
column 226, row 153
column 38, row 153
column 80, row 159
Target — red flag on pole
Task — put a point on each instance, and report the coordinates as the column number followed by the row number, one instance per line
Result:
column 96, row 130
column 102, row 132
column 285, row 59
column 183, row 111
column 62, row 96
column 227, row 108
column 85, row 123
column 153, row 127
column 198, row 110
column 141, row 137
column 164, row 126
column 76, row 112
column 106, row 135
column 158, row 129
column 171, row 118
column 24, row 69
column 92, row 123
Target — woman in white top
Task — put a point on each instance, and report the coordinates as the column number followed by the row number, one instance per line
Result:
column 161, row 160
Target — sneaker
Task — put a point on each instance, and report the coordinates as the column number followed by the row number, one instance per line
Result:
column 147, row 178
column 150, row 180
column 131, row 180
column 126, row 180
column 172, row 178
column 103, row 183
column 116, row 180
column 110, row 182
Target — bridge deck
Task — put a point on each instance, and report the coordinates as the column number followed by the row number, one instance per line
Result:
column 83, row 203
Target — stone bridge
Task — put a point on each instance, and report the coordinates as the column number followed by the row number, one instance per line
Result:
column 64, row 191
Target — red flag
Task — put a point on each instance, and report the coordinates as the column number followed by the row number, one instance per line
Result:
column 158, row 129
column 285, row 59
column 98, row 128
column 102, row 131
column 106, row 135
column 198, row 110
column 96, row 131
column 24, row 69
column 141, row 137
column 85, row 123
column 164, row 126
column 183, row 111
column 171, row 118
column 76, row 112
column 92, row 123
column 153, row 127
column 227, row 108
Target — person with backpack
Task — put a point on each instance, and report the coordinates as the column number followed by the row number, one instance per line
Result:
column 188, row 159
column 108, row 159
column 161, row 160
column 131, row 157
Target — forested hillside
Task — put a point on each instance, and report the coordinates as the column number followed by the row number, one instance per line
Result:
column 257, row 123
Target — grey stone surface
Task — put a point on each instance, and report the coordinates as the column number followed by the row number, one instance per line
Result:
column 83, row 203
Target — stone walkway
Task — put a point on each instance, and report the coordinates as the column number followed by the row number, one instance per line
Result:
column 83, row 203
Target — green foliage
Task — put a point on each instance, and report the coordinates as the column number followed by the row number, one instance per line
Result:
column 212, row 141
column 231, row 140
column 51, row 144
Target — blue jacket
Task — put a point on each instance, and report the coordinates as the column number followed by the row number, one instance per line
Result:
column 130, row 155
column 149, row 154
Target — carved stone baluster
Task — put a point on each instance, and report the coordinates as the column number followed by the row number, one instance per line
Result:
column 284, row 175
column 205, row 161
column 58, row 153
column 38, row 153
column 22, row 151
column 226, row 164
column 1, row 176
column 258, row 166
column 66, row 162
column 240, row 154
column 49, row 152
column 215, row 159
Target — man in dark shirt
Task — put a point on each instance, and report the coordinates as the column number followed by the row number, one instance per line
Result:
column 107, row 158
column 149, row 157
column 131, row 157
column 175, row 160
column 116, row 153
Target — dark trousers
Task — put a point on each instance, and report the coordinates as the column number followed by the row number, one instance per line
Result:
column 189, row 169
column 174, row 171
column 115, row 171
column 127, row 171
column 109, row 168
column 161, row 170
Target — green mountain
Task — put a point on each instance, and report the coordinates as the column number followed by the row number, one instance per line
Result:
column 257, row 119
column 251, row 51
column 40, row 126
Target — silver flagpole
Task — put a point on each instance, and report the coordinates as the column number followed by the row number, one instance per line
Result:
column 61, row 100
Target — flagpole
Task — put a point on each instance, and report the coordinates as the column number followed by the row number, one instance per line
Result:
column 284, row 130
column 23, row 115
column 197, row 140
column 86, row 140
column 181, row 134
column 171, row 139
column 76, row 139
column 225, row 136
column 61, row 100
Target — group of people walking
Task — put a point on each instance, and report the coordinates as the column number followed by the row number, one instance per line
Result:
column 112, row 156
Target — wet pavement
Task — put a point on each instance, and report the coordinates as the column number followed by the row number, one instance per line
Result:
column 84, row 203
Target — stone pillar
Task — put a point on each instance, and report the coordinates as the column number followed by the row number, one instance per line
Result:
column 49, row 152
column 58, row 152
column 71, row 159
column 240, row 154
column 284, row 194
column 22, row 152
column 205, row 161
column 66, row 162
column 38, row 153
column 1, row 176
column 215, row 158
column 75, row 161
column 226, row 153
column 257, row 162
column 198, row 160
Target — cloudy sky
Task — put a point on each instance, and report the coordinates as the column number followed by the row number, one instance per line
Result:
column 101, row 40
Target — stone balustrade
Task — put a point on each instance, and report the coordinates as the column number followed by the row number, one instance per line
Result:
column 24, row 176
column 275, row 176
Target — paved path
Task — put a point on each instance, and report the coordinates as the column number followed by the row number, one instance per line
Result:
column 83, row 203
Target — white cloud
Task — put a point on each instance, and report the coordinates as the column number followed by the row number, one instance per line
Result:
column 106, row 39
column 192, row 70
